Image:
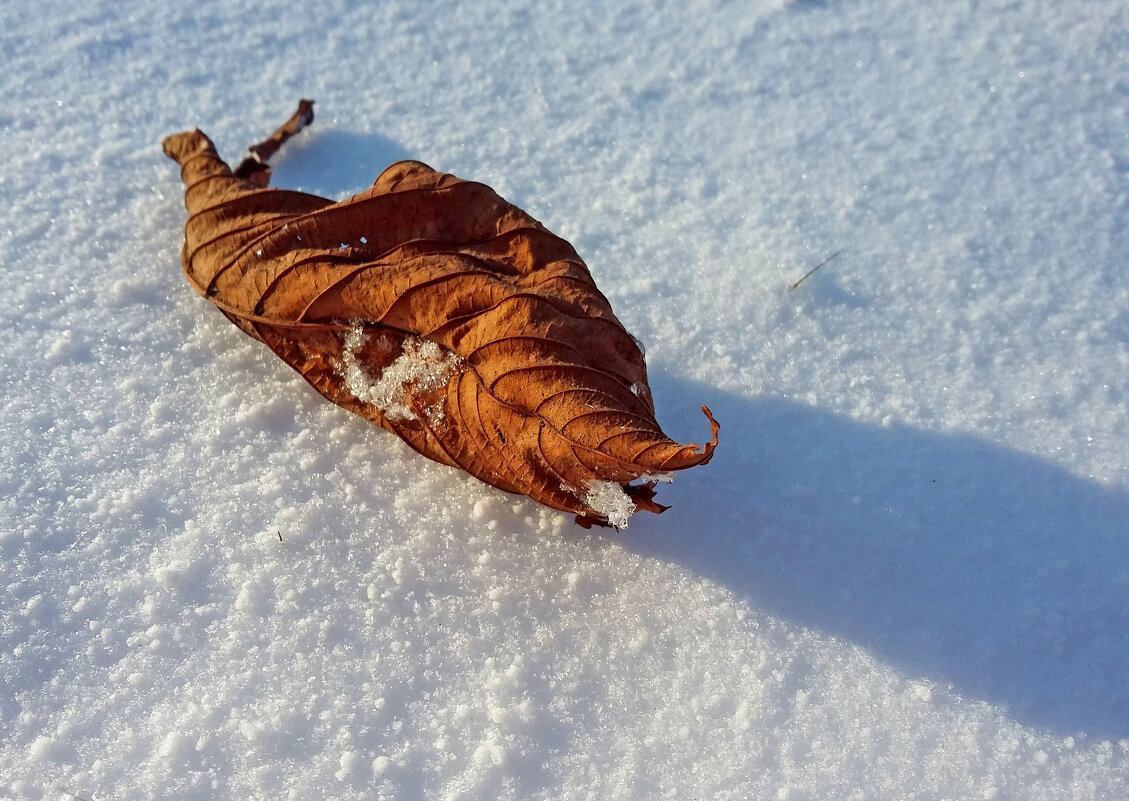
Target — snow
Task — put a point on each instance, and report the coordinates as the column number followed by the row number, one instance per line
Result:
column 905, row 573
column 609, row 499
column 422, row 366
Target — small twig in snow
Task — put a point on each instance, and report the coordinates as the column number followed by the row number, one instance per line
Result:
column 813, row 269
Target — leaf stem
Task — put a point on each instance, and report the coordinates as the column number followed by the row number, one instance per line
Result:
column 254, row 168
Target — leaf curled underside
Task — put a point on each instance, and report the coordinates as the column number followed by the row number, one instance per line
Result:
column 432, row 307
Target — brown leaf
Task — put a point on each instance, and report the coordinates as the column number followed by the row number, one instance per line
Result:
column 434, row 308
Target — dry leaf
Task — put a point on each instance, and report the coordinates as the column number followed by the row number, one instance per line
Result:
column 434, row 308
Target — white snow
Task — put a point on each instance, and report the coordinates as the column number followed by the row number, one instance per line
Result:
column 905, row 572
column 608, row 499
column 423, row 366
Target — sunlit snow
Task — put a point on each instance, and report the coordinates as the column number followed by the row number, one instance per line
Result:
column 423, row 366
column 608, row 499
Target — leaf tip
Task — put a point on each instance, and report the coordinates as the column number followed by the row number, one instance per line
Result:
column 715, row 426
column 181, row 146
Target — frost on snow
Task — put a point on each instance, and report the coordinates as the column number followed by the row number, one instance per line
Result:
column 423, row 366
column 609, row 499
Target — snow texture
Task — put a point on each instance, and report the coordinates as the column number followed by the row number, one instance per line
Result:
column 905, row 574
column 423, row 366
column 607, row 498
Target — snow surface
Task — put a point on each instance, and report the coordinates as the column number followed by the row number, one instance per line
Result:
column 905, row 574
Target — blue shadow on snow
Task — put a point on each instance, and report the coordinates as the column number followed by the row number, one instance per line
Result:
column 946, row 556
column 333, row 163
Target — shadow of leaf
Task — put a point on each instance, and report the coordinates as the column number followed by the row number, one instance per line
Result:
column 334, row 163
column 978, row 566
